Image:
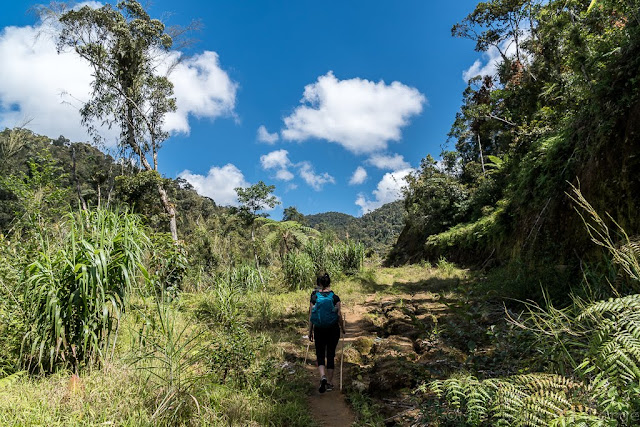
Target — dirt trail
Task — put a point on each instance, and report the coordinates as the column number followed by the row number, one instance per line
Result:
column 401, row 333
column 331, row 409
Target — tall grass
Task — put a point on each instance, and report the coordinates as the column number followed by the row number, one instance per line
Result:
column 299, row 270
column 222, row 303
column 349, row 256
column 77, row 288
column 172, row 356
column 337, row 258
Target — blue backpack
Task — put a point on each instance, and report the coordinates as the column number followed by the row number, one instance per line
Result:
column 323, row 313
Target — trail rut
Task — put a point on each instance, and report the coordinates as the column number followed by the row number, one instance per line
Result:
column 331, row 408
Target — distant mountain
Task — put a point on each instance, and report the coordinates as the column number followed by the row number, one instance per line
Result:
column 378, row 229
column 329, row 220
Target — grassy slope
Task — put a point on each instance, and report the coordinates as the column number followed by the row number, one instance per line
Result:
column 407, row 325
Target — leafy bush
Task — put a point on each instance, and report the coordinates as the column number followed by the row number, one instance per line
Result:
column 12, row 315
column 233, row 353
column 168, row 263
column 77, row 288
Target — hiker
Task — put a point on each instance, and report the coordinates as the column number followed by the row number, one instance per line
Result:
column 325, row 324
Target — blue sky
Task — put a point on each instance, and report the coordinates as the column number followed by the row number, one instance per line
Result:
column 250, row 67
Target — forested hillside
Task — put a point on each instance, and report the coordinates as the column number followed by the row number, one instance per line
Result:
column 377, row 230
column 562, row 110
column 510, row 294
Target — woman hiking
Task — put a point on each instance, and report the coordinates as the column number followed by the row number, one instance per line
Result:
column 325, row 324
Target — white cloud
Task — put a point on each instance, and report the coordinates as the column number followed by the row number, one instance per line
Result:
column 315, row 181
column 391, row 162
column 91, row 4
column 279, row 160
column 284, row 175
column 389, row 189
column 265, row 136
column 219, row 184
column 359, row 176
column 361, row 115
column 275, row 159
column 49, row 88
column 36, row 83
column 202, row 89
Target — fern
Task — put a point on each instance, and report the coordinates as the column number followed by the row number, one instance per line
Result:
column 524, row 400
column 604, row 335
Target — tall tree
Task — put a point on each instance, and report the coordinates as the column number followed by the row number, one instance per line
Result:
column 123, row 46
column 292, row 214
column 252, row 200
column 286, row 236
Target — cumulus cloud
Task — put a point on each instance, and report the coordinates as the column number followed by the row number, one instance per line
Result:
column 278, row 160
column 219, row 184
column 361, row 115
column 284, row 175
column 38, row 84
column 266, row 137
column 49, row 88
column 315, row 181
column 389, row 190
column 386, row 161
column 275, row 159
column 359, row 176
column 202, row 89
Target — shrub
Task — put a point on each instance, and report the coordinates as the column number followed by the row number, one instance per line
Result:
column 12, row 315
column 168, row 263
column 233, row 353
column 76, row 289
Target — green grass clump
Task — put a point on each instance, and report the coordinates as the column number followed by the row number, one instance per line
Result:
column 299, row 270
column 115, row 395
column 77, row 288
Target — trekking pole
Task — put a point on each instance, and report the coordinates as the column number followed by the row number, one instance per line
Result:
column 306, row 353
column 342, row 351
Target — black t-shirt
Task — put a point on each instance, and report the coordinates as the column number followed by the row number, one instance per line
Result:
column 314, row 297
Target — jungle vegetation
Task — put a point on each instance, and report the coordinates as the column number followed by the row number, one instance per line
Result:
column 127, row 298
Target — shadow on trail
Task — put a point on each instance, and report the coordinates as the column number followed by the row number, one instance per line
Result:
column 434, row 284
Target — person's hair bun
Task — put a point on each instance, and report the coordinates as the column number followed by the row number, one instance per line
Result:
column 324, row 280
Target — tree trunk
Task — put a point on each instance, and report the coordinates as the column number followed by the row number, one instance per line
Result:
column 481, row 156
column 164, row 198
column 171, row 211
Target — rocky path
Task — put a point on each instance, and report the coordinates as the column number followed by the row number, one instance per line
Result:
column 401, row 332
column 331, row 409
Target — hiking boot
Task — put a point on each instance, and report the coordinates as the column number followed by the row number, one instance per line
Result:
column 323, row 385
column 329, row 387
